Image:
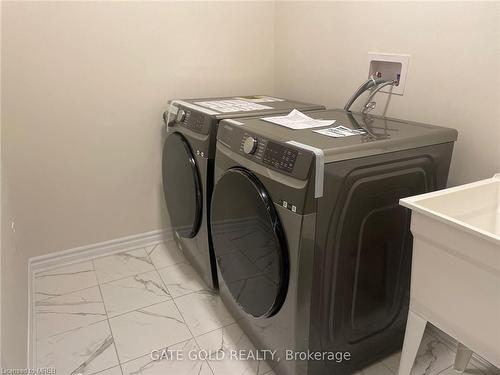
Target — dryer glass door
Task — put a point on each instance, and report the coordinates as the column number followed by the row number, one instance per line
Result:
column 181, row 186
column 249, row 243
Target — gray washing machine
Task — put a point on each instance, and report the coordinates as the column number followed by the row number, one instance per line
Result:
column 188, row 161
column 313, row 250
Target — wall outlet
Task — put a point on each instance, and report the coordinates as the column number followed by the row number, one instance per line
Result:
column 390, row 66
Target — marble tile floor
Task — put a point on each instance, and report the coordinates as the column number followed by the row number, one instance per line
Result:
column 107, row 315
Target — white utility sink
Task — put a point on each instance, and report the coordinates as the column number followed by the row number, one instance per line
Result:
column 455, row 281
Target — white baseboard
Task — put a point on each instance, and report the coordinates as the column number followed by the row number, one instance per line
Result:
column 80, row 254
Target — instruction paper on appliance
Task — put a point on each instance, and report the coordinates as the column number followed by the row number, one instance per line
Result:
column 232, row 105
column 339, row 132
column 260, row 99
column 297, row 120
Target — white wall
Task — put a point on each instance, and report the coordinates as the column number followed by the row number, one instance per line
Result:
column 454, row 72
column 13, row 280
column 84, row 86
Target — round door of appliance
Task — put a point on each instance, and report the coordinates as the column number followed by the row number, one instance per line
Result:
column 249, row 243
column 181, row 185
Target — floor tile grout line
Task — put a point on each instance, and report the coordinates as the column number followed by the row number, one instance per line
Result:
column 215, row 329
column 78, row 290
column 73, row 291
column 193, row 337
column 93, row 323
column 125, row 250
column 124, row 277
column 71, row 329
column 172, row 300
column 36, row 302
column 65, row 294
column 128, row 277
column 111, row 281
column 109, row 324
column 96, row 276
column 118, row 251
column 41, row 273
column 155, row 268
column 205, row 288
column 124, row 313
column 225, row 326
column 145, row 354
column 446, row 369
column 235, row 321
column 154, row 304
column 182, row 316
column 206, row 333
column 185, row 261
column 139, row 309
column 151, row 252
column 98, row 285
column 106, row 369
column 387, row 367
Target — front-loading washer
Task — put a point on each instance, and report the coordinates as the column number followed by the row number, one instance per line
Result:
column 188, row 161
column 313, row 250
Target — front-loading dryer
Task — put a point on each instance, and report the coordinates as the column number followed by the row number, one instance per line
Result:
column 313, row 250
column 188, row 161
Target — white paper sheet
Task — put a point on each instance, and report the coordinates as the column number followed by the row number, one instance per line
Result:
column 232, row 105
column 339, row 132
column 297, row 120
column 260, row 99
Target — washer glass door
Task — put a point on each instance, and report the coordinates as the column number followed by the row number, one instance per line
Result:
column 249, row 243
column 181, row 186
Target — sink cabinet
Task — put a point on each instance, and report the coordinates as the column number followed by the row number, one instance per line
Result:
column 455, row 281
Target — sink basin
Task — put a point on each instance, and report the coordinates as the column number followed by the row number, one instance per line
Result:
column 474, row 208
column 455, row 281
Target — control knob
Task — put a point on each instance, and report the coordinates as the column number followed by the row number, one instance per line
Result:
column 250, row 145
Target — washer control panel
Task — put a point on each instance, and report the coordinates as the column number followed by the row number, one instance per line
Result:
column 280, row 157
